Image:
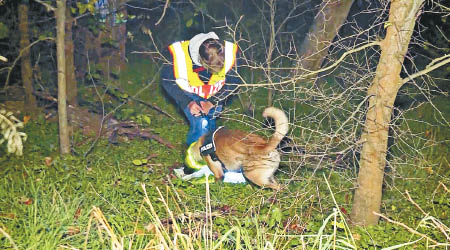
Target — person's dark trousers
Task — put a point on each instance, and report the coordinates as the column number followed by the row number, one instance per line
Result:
column 201, row 125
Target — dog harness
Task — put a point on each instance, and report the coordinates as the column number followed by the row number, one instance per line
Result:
column 209, row 147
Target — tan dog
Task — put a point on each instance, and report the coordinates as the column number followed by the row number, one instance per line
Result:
column 236, row 149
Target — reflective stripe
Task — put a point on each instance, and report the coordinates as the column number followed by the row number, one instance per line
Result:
column 189, row 81
column 191, row 162
column 230, row 55
column 180, row 62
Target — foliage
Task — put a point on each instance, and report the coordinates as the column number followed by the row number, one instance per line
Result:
column 4, row 31
column 48, row 202
column 9, row 126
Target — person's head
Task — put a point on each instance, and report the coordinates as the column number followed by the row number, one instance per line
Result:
column 212, row 55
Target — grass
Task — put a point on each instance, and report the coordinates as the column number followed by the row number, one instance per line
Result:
column 99, row 202
column 104, row 201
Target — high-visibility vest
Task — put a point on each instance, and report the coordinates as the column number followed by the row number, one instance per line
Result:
column 188, row 80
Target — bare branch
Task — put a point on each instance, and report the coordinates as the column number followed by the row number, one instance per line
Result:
column 164, row 12
column 407, row 228
column 10, row 68
column 430, row 67
column 46, row 5
column 310, row 73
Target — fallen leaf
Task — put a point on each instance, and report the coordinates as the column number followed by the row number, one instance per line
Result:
column 72, row 230
column 25, row 200
column 26, row 119
column 152, row 156
column 8, row 215
column 77, row 214
column 150, row 228
column 137, row 162
column 48, row 161
column 297, row 228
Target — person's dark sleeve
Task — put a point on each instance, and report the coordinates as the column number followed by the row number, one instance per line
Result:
column 232, row 82
column 171, row 87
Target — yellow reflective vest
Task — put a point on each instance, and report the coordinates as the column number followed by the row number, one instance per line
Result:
column 188, row 80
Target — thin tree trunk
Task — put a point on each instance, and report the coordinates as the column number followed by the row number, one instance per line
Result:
column 332, row 14
column 64, row 143
column 382, row 92
column 26, row 69
column 72, row 90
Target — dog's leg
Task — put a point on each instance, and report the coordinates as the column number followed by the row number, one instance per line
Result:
column 262, row 176
column 215, row 167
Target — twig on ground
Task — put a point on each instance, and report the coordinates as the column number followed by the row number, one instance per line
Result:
column 9, row 238
column 115, row 243
column 407, row 228
column 414, row 203
column 443, row 186
column 142, row 102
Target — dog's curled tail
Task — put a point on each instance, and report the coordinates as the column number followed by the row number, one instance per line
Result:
column 281, row 127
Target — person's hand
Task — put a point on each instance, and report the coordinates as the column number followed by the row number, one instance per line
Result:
column 206, row 106
column 195, row 109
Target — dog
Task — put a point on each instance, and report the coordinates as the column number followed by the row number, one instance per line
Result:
column 236, row 150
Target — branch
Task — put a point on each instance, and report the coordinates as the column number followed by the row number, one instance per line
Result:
column 430, row 67
column 444, row 187
column 346, row 53
column 320, row 70
column 201, row 11
column 414, row 203
column 47, row 6
column 152, row 106
column 9, row 238
column 407, row 228
column 144, row 133
column 20, row 56
column 164, row 12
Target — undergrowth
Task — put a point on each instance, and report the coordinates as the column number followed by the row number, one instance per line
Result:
column 105, row 201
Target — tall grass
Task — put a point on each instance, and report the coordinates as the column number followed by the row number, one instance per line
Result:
column 190, row 230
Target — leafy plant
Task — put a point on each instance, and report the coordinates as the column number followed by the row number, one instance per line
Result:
column 4, row 31
column 9, row 126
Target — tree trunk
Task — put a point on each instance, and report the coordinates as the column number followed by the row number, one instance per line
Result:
column 382, row 92
column 26, row 69
column 331, row 16
column 72, row 90
column 64, row 143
